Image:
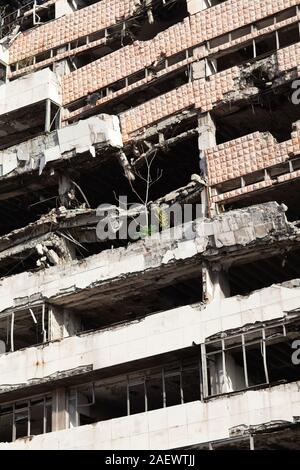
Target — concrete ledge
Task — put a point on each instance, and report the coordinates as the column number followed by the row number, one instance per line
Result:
column 154, row 335
column 177, row 426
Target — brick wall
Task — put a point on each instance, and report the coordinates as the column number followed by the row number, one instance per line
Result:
column 202, row 94
column 70, row 27
column 196, row 29
column 242, row 156
column 246, row 155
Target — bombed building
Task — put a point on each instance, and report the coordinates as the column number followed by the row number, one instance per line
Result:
column 150, row 229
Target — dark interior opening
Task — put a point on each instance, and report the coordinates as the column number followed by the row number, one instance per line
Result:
column 246, row 278
column 287, row 194
column 165, row 14
column 267, row 112
column 107, row 183
column 151, row 299
column 29, row 329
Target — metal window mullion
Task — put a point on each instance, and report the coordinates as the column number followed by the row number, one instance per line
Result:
column 12, row 346
column 76, row 408
column 164, row 388
column 264, row 353
column 284, row 330
column 245, row 361
column 181, row 385
column 14, row 431
column 128, row 397
column 204, row 370
column 44, row 416
column 145, row 395
column 224, row 362
column 252, row 445
column 28, row 417
column 254, row 49
column 200, row 378
column 43, row 324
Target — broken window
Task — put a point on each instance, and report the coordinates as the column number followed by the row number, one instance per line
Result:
column 154, row 297
column 278, row 39
column 264, row 272
column 23, row 328
column 138, row 392
column 254, row 358
column 25, row 418
column 28, row 15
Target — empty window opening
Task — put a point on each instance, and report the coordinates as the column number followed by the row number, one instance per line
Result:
column 23, row 328
column 19, row 211
column 246, row 30
column 140, row 392
column 255, row 358
column 158, row 296
column 246, row 278
column 257, row 48
column 162, row 15
column 286, row 193
column 232, row 59
column 161, row 177
column 132, row 98
column 25, row 123
column 268, row 112
column 25, row 16
column 25, row 418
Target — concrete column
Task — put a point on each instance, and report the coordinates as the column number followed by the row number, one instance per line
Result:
column 62, row 67
column 206, row 140
column 65, row 187
column 215, row 283
column 202, row 67
column 59, row 410
column 207, row 137
column 194, row 6
column 64, row 7
column 62, row 323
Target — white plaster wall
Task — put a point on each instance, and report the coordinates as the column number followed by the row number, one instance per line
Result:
column 194, row 6
column 233, row 229
column 177, row 426
column 28, row 90
column 95, row 269
column 4, row 54
column 63, row 7
column 156, row 334
column 77, row 138
column 102, row 128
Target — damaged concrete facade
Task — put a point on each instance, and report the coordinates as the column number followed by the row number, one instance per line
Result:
column 116, row 115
